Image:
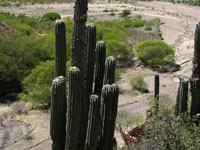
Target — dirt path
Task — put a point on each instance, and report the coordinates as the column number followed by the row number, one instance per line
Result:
column 178, row 31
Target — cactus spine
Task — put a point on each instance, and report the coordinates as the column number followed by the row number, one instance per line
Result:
column 100, row 65
column 195, row 80
column 73, row 109
column 93, row 130
column 58, row 111
column 60, row 49
column 182, row 98
column 109, row 75
column 91, row 44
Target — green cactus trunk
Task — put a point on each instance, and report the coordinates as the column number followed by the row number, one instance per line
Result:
column 58, row 111
column 182, row 98
column 60, row 49
column 73, row 110
column 100, row 65
column 195, row 81
column 93, row 130
column 109, row 102
column 109, row 75
column 156, row 92
column 78, row 59
column 113, row 115
column 91, row 44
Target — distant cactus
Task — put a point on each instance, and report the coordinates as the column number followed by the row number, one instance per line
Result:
column 182, row 98
column 100, row 65
column 156, row 92
column 58, row 112
column 60, row 49
column 93, row 130
column 73, row 110
column 109, row 75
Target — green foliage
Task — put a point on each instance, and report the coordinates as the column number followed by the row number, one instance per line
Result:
column 152, row 22
column 138, row 83
column 112, row 14
column 5, row 4
column 118, row 72
column 37, row 84
column 154, row 52
column 24, row 52
column 148, row 28
column 125, row 13
column 181, row 133
column 51, row 16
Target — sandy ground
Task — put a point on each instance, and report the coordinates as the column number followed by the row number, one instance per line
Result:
column 178, row 30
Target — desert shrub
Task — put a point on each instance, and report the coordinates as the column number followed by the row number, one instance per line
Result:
column 112, row 14
column 148, row 28
column 5, row 4
column 36, row 86
column 51, row 16
column 125, row 13
column 152, row 22
column 165, row 131
column 138, row 83
column 154, row 52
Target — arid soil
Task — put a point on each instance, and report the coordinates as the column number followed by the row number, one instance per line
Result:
column 30, row 131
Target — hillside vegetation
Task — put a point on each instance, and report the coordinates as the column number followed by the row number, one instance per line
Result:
column 29, row 48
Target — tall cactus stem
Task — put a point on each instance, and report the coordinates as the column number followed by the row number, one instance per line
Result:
column 100, row 65
column 93, row 130
column 91, row 44
column 195, row 80
column 58, row 112
column 60, row 49
column 109, row 102
column 109, row 75
column 73, row 110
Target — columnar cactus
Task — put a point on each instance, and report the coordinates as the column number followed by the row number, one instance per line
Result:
column 60, row 49
column 73, row 110
column 109, row 103
column 156, row 92
column 93, row 130
column 182, row 98
column 109, row 75
column 78, row 59
column 91, row 44
column 195, row 80
column 100, row 65
column 58, row 112
column 113, row 116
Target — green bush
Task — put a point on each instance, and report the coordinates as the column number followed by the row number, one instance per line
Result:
column 125, row 13
column 154, row 52
column 112, row 14
column 138, row 83
column 148, row 28
column 118, row 72
column 51, row 16
column 165, row 131
column 5, row 4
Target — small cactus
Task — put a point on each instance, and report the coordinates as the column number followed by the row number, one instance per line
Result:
column 182, row 98
column 100, row 65
column 60, row 49
column 58, row 111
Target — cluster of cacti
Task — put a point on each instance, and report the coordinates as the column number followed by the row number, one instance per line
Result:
column 182, row 98
column 86, row 119
column 195, row 80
